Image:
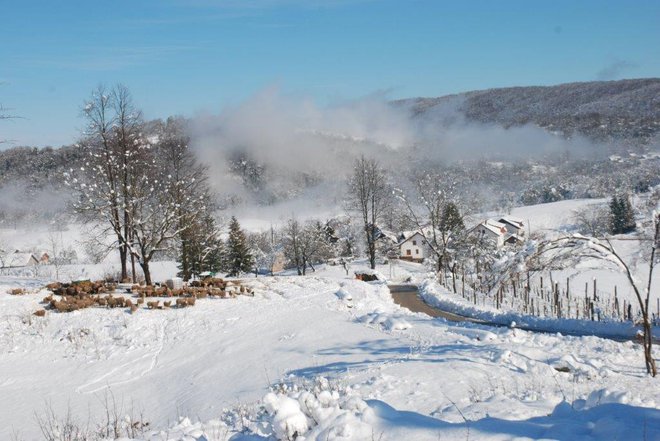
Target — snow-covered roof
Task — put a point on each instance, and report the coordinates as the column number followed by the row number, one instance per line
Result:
column 389, row 235
column 494, row 227
column 405, row 236
column 514, row 221
column 18, row 259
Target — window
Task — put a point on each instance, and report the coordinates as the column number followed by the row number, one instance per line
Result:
column 417, row 251
column 408, row 253
column 414, row 242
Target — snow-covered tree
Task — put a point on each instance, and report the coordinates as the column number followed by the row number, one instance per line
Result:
column 267, row 247
column 438, row 207
column 104, row 181
column 292, row 238
column 191, row 195
column 204, row 250
column 592, row 220
column 239, row 256
column 139, row 192
column 370, row 195
column 306, row 245
column 622, row 215
column 568, row 251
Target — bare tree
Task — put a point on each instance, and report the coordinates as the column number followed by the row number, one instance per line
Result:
column 156, row 218
column 438, row 209
column 132, row 154
column 592, row 220
column 305, row 245
column 370, row 195
column 146, row 196
column 568, row 250
column 55, row 250
column 292, row 244
column 99, row 182
column 267, row 246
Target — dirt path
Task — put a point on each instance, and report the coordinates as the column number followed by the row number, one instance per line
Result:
column 406, row 296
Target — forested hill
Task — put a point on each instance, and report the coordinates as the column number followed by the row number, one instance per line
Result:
column 624, row 111
column 37, row 167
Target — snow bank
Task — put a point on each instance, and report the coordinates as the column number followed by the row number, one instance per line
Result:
column 437, row 296
column 324, row 415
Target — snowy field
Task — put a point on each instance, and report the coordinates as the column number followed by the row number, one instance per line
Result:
column 323, row 357
column 389, row 374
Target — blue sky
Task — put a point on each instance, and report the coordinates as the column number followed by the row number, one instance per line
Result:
column 186, row 57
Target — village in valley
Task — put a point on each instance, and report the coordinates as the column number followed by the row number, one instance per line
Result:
column 329, row 221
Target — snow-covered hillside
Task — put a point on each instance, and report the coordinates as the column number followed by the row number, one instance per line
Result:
column 389, row 374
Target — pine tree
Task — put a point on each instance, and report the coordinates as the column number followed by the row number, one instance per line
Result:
column 451, row 219
column 239, row 256
column 200, row 250
column 628, row 216
column 622, row 215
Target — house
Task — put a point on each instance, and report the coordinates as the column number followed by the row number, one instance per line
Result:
column 491, row 231
column 513, row 225
column 44, row 259
column 18, row 260
column 413, row 246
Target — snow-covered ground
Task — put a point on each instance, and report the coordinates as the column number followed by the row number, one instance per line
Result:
column 326, row 355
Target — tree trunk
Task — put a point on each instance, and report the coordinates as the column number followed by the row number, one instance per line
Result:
column 371, row 244
column 648, row 345
column 185, row 266
column 133, row 268
column 146, row 271
column 122, row 258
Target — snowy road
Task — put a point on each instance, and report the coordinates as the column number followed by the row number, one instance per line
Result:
column 407, row 297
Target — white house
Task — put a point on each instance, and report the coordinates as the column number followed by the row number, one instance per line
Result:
column 491, row 231
column 412, row 246
column 18, row 260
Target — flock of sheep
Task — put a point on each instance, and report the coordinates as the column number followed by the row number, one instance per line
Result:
column 68, row 297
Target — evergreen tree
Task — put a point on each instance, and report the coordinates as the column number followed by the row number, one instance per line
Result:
column 451, row 219
column 201, row 250
column 239, row 256
column 628, row 216
column 622, row 215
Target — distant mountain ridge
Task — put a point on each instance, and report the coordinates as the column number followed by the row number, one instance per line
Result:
column 623, row 111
